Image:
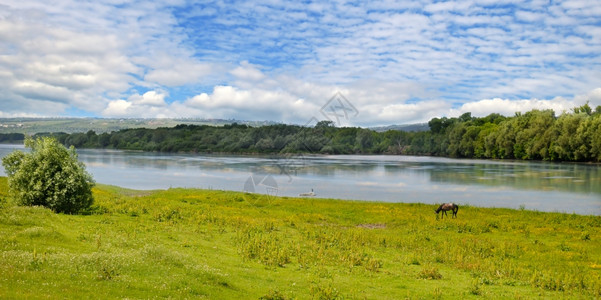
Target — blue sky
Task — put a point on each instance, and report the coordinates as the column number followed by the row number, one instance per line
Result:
column 395, row 61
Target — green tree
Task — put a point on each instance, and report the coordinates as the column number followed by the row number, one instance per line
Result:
column 505, row 138
column 568, row 142
column 436, row 125
column 534, row 134
column 440, row 125
column 584, row 109
column 364, row 140
column 482, row 147
column 465, row 117
column 467, row 146
column 49, row 175
column 325, row 124
column 594, row 130
column 264, row 144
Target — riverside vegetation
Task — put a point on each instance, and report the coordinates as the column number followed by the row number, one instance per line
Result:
column 49, row 175
column 534, row 135
column 188, row 243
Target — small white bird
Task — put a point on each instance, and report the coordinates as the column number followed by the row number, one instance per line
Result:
column 309, row 194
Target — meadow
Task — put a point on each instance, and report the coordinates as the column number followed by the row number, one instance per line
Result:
column 188, row 243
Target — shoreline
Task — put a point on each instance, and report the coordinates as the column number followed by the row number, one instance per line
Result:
column 287, row 154
column 339, row 200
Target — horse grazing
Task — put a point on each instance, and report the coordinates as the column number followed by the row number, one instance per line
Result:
column 446, row 207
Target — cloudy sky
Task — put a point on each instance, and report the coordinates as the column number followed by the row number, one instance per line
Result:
column 396, row 62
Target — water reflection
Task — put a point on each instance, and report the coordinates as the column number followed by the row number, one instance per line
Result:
column 536, row 185
column 574, row 178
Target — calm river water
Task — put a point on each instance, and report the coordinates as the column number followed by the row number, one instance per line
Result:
column 562, row 187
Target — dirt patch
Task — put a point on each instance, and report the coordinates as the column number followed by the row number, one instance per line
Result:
column 372, row 226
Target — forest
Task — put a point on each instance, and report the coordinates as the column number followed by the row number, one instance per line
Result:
column 534, row 135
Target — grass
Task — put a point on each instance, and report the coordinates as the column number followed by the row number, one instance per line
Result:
column 186, row 243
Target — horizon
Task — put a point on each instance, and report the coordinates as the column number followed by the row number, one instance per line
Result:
column 225, row 121
column 386, row 63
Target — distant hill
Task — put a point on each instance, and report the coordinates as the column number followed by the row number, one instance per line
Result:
column 32, row 126
column 407, row 127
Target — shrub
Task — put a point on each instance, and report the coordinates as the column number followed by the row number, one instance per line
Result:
column 273, row 295
column 430, row 273
column 49, row 175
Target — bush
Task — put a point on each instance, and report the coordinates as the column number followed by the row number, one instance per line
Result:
column 430, row 273
column 49, row 175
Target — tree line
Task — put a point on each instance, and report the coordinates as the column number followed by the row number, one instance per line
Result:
column 11, row 138
column 534, row 135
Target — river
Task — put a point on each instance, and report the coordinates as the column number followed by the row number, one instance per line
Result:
column 561, row 187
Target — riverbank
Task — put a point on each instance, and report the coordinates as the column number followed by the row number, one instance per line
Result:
column 534, row 135
column 187, row 243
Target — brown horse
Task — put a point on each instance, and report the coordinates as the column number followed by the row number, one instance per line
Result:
column 446, row 207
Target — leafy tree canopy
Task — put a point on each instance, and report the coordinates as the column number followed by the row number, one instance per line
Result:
column 49, row 175
column 533, row 135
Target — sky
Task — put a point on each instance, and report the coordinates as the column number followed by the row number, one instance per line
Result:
column 387, row 62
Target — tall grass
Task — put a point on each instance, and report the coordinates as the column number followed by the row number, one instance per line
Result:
column 185, row 243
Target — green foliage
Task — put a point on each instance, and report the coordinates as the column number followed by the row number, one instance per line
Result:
column 430, row 272
column 475, row 288
column 49, row 175
column 534, row 135
column 10, row 138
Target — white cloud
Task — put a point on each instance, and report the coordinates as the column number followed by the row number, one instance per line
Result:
column 252, row 104
column 248, row 72
column 85, row 55
column 117, row 108
column 173, row 71
column 510, row 107
column 18, row 115
column 148, row 105
column 593, row 98
column 529, row 16
column 407, row 113
column 150, row 98
column 377, row 103
column 397, row 62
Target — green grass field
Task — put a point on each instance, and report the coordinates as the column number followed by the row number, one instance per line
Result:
column 186, row 243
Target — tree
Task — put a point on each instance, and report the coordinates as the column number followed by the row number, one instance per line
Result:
column 49, row 175
column 568, row 141
column 584, row 109
column 364, row 140
column 466, row 117
column 440, row 125
column 325, row 124
column 435, row 125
